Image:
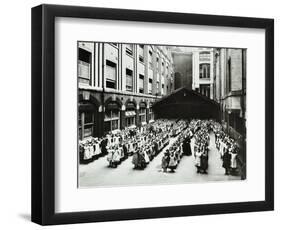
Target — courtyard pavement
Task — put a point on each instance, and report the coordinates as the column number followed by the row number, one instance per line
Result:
column 97, row 173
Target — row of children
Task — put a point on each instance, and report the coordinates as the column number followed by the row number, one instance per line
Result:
column 92, row 148
column 201, row 144
column 228, row 149
column 143, row 143
column 143, row 155
column 180, row 147
column 162, row 130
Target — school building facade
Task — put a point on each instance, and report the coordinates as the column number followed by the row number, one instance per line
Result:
column 118, row 84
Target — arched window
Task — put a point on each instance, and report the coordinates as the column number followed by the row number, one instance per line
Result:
column 204, row 69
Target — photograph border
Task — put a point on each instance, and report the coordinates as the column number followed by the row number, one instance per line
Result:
column 43, row 113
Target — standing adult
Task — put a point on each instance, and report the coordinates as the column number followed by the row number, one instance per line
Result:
column 103, row 146
column 204, row 161
column 226, row 158
column 186, row 146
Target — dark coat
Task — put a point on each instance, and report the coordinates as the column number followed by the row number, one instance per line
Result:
column 103, row 146
column 204, row 161
column 186, row 147
column 226, row 160
column 125, row 150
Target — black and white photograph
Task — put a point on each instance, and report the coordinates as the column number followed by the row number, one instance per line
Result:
column 152, row 114
column 141, row 114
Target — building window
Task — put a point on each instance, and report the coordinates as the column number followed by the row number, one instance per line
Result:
column 162, row 89
column 111, row 120
column 141, row 53
column 163, row 70
column 151, row 114
column 158, row 64
column 141, row 83
column 84, row 66
column 129, row 49
column 229, row 74
column 86, row 124
column 204, row 70
column 130, row 121
column 110, row 74
column 205, row 90
column 150, row 86
column 129, row 80
column 150, row 60
column 142, row 115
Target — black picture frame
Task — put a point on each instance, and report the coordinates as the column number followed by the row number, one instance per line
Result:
column 43, row 113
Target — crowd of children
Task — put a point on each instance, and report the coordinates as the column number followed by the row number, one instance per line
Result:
column 158, row 138
column 173, row 155
column 146, row 142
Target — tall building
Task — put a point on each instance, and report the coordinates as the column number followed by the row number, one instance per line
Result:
column 182, row 60
column 230, row 88
column 193, row 68
column 118, row 83
column 230, row 92
column 202, row 71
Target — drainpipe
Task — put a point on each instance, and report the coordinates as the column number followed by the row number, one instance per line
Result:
column 102, row 95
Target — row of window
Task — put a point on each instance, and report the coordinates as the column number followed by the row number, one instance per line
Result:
column 111, row 79
column 129, row 51
column 84, row 70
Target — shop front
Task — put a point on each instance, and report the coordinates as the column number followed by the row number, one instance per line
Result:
column 130, row 115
